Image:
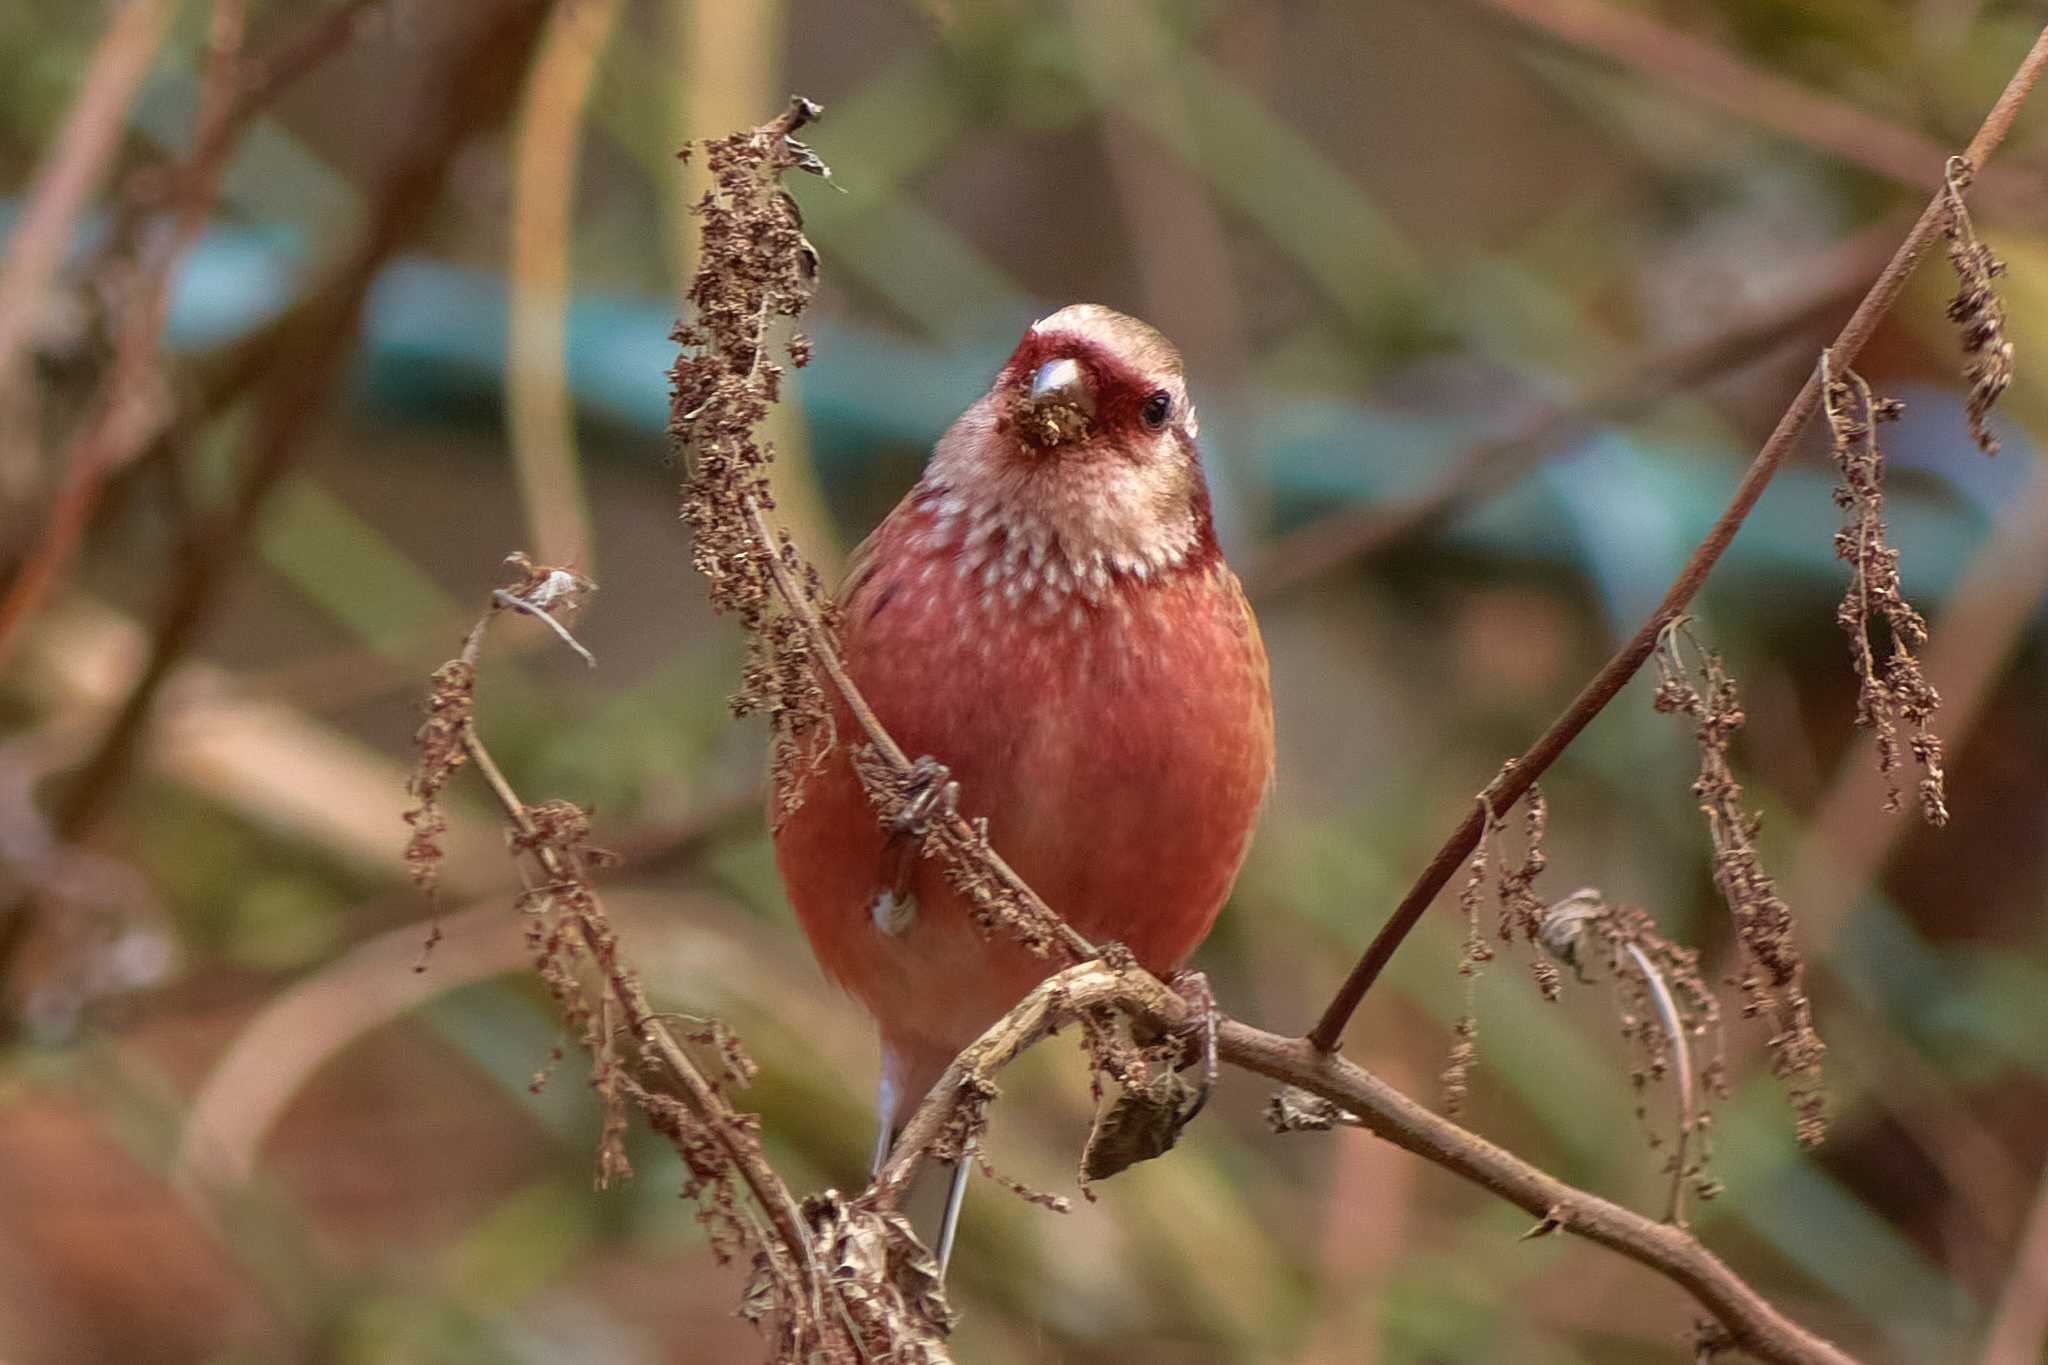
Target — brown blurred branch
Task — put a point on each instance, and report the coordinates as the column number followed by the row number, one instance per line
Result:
column 1671, row 58
column 1518, row 776
column 1494, row 464
column 134, row 407
column 77, row 161
column 133, row 404
column 466, row 92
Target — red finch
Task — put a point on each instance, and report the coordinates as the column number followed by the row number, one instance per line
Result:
column 1047, row 613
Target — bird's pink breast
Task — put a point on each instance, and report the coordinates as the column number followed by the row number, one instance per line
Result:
column 1120, row 748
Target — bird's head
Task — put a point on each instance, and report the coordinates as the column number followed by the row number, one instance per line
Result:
column 1087, row 438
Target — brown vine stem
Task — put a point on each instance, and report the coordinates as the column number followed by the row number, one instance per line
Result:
column 1593, row 699
column 826, row 650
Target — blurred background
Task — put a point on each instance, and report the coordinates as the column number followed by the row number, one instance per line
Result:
column 1485, row 303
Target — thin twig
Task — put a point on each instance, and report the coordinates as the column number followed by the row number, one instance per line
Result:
column 547, row 618
column 1632, row 655
column 1664, row 1247
column 1064, row 996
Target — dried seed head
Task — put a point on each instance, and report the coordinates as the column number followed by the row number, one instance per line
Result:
column 1976, row 309
column 1773, row 980
column 754, row 267
column 450, row 701
column 1891, row 694
column 1662, row 1003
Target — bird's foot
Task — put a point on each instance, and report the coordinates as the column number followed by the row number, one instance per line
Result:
column 928, row 791
column 1193, row 987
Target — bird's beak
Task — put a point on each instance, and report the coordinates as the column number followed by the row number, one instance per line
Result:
column 1061, row 402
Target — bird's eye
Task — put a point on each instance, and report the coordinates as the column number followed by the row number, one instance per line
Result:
column 1158, row 407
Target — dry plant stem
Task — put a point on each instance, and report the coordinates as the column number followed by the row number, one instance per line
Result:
column 1493, row 464
column 1681, row 1069
column 1756, row 1326
column 826, row 652
column 1090, row 987
column 133, row 403
column 766, row 1187
column 1883, row 294
column 1060, row 998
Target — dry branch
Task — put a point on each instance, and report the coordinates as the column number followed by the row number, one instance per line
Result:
column 832, row 1283
column 1615, row 674
column 1751, row 1321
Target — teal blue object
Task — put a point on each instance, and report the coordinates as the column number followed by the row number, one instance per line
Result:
column 1619, row 511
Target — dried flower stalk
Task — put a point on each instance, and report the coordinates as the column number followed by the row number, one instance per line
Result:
column 1892, row 694
column 1664, row 1003
column 1976, row 308
column 1773, row 979
column 827, row 1288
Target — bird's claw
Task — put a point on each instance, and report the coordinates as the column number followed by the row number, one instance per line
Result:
column 1194, row 988
column 928, row 790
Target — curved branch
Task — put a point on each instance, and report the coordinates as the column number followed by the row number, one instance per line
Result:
column 1609, row 681
column 1755, row 1325
column 1749, row 1318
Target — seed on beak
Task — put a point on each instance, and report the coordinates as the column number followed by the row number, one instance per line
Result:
column 1060, row 403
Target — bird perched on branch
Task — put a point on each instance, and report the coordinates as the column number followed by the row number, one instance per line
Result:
column 1048, row 615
